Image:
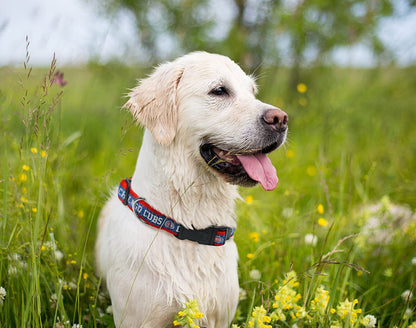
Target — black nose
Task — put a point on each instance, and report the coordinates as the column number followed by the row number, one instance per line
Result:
column 276, row 119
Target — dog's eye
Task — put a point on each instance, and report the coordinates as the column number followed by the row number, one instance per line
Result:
column 219, row 91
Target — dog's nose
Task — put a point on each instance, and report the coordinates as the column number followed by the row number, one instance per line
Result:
column 276, row 119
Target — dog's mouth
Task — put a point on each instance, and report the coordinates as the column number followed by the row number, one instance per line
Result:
column 242, row 167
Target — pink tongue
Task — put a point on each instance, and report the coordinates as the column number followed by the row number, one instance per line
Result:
column 259, row 167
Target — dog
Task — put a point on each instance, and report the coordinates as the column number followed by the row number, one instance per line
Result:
column 165, row 236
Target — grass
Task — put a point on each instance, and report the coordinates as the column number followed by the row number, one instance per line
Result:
column 352, row 143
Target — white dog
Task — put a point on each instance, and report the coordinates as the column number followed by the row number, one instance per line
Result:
column 166, row 238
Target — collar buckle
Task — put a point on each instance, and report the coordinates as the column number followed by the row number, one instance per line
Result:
column 214, row 235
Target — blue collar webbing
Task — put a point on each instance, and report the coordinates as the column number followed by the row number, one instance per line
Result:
column 213, row 235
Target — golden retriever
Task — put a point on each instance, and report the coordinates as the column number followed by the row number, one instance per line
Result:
column 166, row 236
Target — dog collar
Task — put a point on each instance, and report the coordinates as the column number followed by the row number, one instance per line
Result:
column 213, row 235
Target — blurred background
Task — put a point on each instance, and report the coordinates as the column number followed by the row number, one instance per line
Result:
column 252, row 32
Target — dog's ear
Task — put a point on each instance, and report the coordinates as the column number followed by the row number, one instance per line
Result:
column 154, row 102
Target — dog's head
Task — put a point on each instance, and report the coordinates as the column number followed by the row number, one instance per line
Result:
column 207, row 103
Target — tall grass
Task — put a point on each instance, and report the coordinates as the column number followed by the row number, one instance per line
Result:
column 351, row 144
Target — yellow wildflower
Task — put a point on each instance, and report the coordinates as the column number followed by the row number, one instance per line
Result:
column 85, row 276
column 322, row 222
column 34, row 209
column 302, row 87
column 254, row 236
column 320, row 209
column 34, row 150
column 22, row 177
column 26, row 167
column 250, row 256
column 43, row 153
column 290, row 154
column 249, row 199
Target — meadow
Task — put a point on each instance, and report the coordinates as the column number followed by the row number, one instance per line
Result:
column 334, row 245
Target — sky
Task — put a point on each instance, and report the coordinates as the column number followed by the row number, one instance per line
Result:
column 76, row 32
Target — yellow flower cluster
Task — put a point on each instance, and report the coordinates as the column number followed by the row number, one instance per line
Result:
column 259, row 319
column 286, row 300
column 188, row 315
column 320, row 302
column 34, row 150
column 346, row 310
column 285, row 309
column 321, row 221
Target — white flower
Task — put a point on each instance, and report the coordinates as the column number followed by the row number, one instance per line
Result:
column 408, row 313
column 54, row 298
column 16, row 262
column 255, row 274
column 72, row 285
column 369, row 321
column 12, row 270
column 109, row 309
column 58, row 255
column 311, row 239
column 3, row 294
column 76, row 325
column 407, row 295
column 287, row 212
column 413, row 261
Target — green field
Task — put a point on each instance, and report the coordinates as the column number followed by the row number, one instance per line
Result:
column 351, row 145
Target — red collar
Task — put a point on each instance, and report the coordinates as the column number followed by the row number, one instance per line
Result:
column 213, row 235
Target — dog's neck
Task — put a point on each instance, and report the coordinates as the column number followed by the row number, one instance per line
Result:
column 182, row 191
